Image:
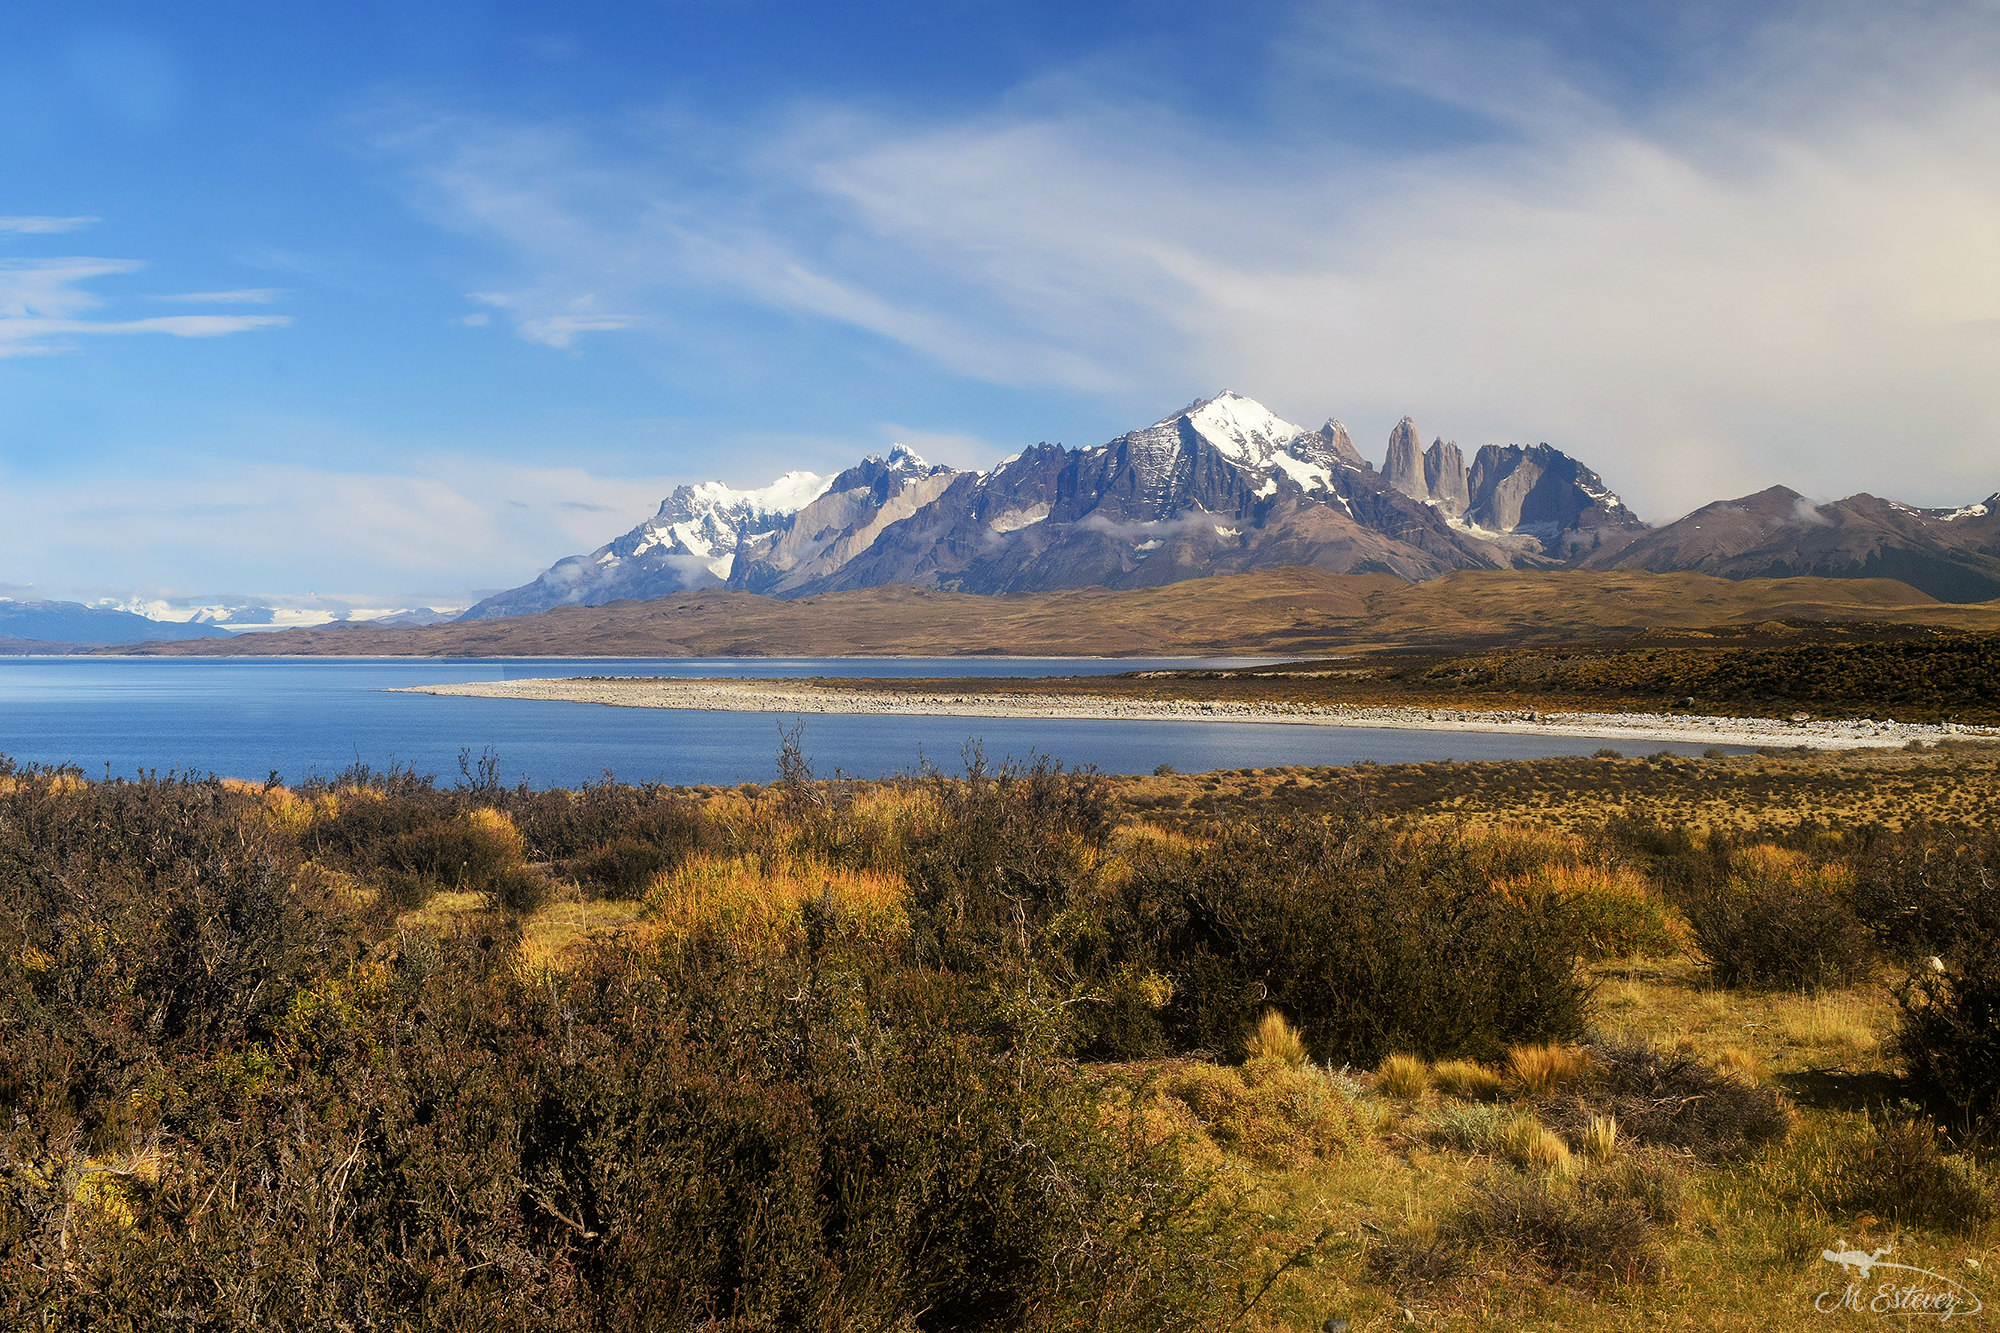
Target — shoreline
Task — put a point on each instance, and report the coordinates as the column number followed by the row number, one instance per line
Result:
column 793, row 696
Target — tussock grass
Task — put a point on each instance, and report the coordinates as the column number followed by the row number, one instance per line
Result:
column 1274, row 1039
column 1404, row 1077
column 1468, row 1079
column 1542, row 1070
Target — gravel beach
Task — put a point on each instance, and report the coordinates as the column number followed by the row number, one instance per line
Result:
column 794, row 696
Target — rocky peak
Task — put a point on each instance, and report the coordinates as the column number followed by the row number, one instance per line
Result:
column 1404, row 468
column 1444, row 477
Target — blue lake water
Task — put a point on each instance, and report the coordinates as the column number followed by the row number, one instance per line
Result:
column 247, row 717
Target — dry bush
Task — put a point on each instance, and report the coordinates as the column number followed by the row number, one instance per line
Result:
column 1668, row 1099
column 1893, row 1166
column 1572, row 1233
column 1272, row 1113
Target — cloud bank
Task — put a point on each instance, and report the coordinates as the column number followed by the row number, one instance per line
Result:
column 1780, row 270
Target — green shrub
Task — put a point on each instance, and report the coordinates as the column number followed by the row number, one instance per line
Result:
column 1370, row 942
column 1905, row 1175
column 1780, row 919
column 1949, row 1036
column 624, row 867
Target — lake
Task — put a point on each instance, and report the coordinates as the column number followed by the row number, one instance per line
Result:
column 248, row 717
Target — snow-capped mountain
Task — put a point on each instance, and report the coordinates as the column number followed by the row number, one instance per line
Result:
column 710, row 536
column 1221, row 486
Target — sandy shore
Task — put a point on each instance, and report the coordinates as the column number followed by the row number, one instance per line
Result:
column 793, row 696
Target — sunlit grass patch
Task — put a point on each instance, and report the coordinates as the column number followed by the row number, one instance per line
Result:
column 750, row 893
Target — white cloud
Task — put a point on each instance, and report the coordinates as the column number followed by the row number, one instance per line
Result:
column 1781, row 272
column 241, row 296
column 42, row 226
column 43, row 304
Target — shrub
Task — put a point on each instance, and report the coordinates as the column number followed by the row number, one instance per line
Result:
column 519, row 890
column 1571, row 1233
column 1893, row 1165
column 1370, row 941
column 1948, row 1036
column 1419, row 1258
column 1671, row 1100
column 1780, row 919
column 1481, row 1129
column 623, row 867
column 1611, row 913
column 1904, row 1175
column 1272, row 1113
column 1929, row 891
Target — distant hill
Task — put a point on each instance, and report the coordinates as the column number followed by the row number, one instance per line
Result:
column 1952, row 554
column 61, row 624
column 1268, row 612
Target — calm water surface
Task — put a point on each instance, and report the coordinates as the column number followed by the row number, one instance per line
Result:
column 248, row 717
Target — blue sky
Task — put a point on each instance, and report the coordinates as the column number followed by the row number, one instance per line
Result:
column 383, row 305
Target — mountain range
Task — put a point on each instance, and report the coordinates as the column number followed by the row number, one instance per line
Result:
column 1225, row 486
column 44, row 623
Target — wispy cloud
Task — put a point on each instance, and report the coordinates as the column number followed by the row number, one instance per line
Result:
column 44, row 307
column 241, row 296
column 1761, row 273
column 42, row 226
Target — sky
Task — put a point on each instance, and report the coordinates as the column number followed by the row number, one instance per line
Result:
column 342, row 309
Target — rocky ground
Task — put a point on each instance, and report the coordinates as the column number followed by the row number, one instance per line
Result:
column 795, row 696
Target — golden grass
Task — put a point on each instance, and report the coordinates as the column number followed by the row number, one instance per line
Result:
column 1467, row 1079
column 1275, row 1039
column 1404, row 1077
column 1541, row 1070
column 1600, row 1139
column 557, row 934
column 751, row 894
column 1830, row 1021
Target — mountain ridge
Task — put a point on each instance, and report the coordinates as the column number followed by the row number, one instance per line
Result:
column 1225, row 486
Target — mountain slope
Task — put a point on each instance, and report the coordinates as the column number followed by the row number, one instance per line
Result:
column 1951, row 554
column 1281, row 611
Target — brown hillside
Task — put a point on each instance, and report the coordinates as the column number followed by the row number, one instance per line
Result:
column 1274, row 611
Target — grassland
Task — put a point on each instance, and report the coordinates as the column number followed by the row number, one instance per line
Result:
column 1282, row 612
column 1440, row 1045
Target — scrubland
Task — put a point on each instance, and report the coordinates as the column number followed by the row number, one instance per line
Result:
column 1613, row 1043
